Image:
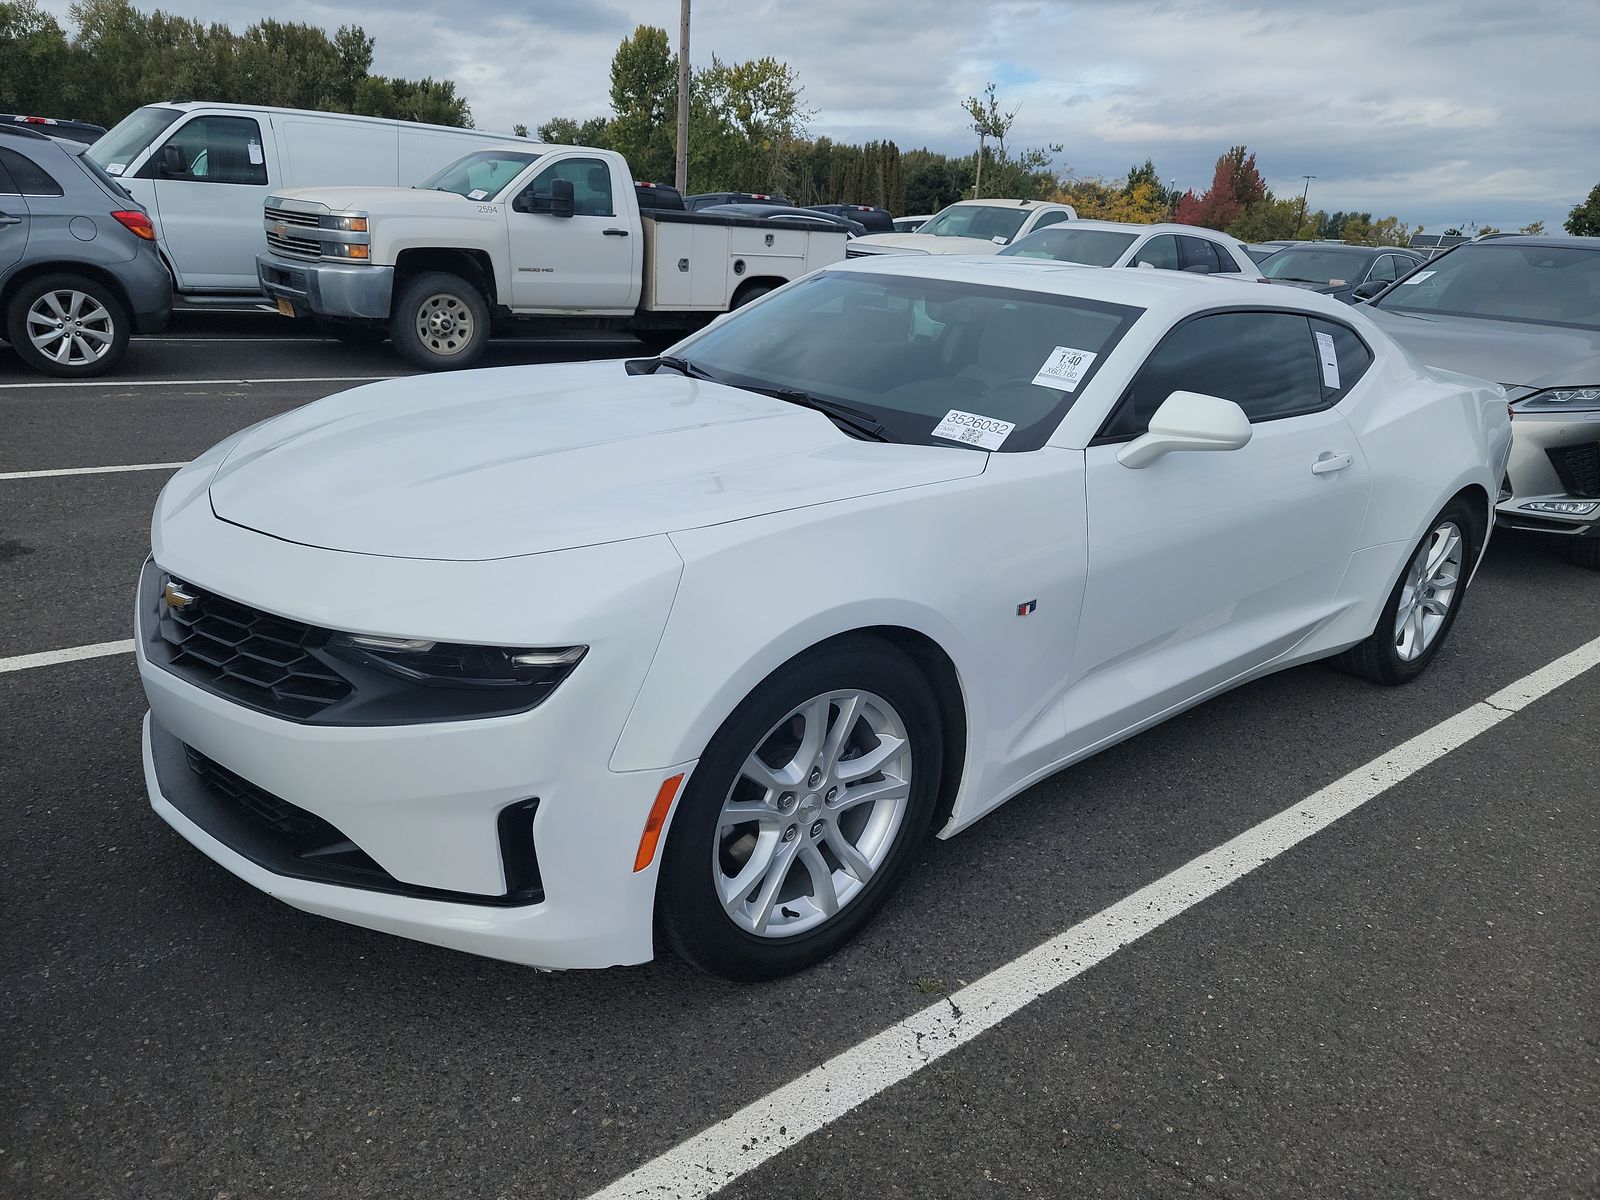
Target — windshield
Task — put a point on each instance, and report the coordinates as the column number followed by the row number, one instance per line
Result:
column 984, row 221
column 479, row 175
column 1540, row 285
column 913, row 353
column 1091, row 247
column 1315, row 266
column 131, row 136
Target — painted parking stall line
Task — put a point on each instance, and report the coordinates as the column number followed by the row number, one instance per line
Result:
column 711, row 1160
column 51, row 658
column 113, row 385
column 58, row 471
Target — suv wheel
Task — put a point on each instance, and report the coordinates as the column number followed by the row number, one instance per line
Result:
column 67, row 325
column 440, row 322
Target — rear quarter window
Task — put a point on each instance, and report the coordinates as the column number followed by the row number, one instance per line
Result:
column 27, row 176
column 1352, row 356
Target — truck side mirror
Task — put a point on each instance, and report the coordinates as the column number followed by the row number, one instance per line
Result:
column 563, row 203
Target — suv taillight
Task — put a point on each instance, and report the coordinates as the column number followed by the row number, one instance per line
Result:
column 138, row 223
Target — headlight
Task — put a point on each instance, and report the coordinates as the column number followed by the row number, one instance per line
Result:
column 1562, row 399
column 357, row 250
column 531, row 673
column 348, row 223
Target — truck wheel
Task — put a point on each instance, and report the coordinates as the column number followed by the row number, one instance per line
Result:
column 67, row 325
column 440, row 322
column 746, row 295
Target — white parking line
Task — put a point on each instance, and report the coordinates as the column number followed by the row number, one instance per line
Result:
column 710, row 1160
column 49, row 658
column 122, row 383
column 90, row 470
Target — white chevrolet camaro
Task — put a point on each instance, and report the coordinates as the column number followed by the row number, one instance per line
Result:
column 559, row 663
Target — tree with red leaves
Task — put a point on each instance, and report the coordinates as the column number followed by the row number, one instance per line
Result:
column 1235, row 187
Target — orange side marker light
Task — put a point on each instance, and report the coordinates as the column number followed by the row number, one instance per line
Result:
column 655, row 822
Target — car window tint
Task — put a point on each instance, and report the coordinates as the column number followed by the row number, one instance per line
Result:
column 1160, row 252
column 1199, row 255
column 7, row 187
column 1350, row 352
column 1384, row 269
column 218, row 150
column 1264, row 362
column 1050, row 218
column 27, row 176
column 591, row 185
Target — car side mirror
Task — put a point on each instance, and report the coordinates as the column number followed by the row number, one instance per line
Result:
column 172, row 161
column 1188, row 421
column 1372, row 287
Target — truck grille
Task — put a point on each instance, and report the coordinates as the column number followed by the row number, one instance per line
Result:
column 1579, row 468
column 283, row 232
column 290, row 217
column 294, row 247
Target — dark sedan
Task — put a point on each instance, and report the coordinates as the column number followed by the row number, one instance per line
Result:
column 772, row 212
column 1347, row 273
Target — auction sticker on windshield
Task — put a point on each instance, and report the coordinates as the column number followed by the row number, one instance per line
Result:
column 1417, row 278
column 973, row 429
column 1065, row 368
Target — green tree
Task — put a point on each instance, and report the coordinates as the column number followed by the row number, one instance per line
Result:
column 1533, row 227
column 644, row 99
column 34, row 78
column 564, row 131
column 1269, row 220
column 1584, row 219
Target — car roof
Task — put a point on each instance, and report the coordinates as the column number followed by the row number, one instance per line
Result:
column 1136, row 227
column 1571, row 241
column 1167, row 294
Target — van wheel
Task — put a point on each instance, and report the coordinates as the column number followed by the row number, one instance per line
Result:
column 67, row 325
column 440, row 322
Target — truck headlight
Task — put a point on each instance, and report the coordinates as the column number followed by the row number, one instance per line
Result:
column 356, row 250
column 1562, row 399
column 349, row 224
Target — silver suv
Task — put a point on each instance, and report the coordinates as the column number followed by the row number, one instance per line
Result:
column 79, row 270
column 1525, row 312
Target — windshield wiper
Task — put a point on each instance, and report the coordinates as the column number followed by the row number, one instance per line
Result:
column 649, row 366
column 855, row 420
column 1297, row 279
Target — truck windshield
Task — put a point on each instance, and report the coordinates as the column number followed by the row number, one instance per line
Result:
column 131, row 136
column 917, row 355
column 481, row 174
column 986, row 221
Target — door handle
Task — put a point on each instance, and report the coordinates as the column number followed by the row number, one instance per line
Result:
column 8, row 219
column 1329, row 462
column 616, row 233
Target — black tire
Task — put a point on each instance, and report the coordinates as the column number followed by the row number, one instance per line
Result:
column 690, row 914
column 454, row 300
column 1379, row 658
column 115, row 325
column 355, row 333
column 1585, row 552
column 748, row 295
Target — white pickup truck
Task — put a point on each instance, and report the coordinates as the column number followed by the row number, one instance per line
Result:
column 519, row 232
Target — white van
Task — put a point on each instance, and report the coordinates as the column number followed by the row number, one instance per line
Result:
column 203, row 171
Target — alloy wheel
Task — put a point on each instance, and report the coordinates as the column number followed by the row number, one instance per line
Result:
column 70, row 327
column 1431, row 583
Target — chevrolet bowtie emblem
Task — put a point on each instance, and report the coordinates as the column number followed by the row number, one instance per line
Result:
column 175, row 596
column 280, row 229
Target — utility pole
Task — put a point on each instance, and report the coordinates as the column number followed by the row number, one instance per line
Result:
column 682, row 172
column 1304, row 192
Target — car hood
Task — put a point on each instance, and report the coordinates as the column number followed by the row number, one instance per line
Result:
column 1511, row 353
column 513, row 461
column 376, row 200
column 923, row 243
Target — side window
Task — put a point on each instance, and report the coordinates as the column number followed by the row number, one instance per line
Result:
column 27, row 177
column 1050, row 218
column 591, row 185
column 1264, row 362
column 1199, row 256
column 1384, row 269
column 215, row 150
column 1350, row 354
column 1160, row 252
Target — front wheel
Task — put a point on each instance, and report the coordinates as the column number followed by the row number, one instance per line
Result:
column 1585, row 552
column 440, row 322
column 803, row 814
column 67, row 325
column 1424, row 604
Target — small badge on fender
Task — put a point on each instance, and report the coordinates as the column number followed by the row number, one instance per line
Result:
column 1026, row 607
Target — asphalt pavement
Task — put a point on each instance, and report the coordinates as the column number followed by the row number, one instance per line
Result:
column 1402, row 1005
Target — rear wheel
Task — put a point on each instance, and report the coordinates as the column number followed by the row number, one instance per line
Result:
column 804, row 813
column 67, row 325
column 1424, row 604
column 749, row 294
column 440, row 322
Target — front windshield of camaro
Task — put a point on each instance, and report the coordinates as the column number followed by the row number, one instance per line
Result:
column 125, row 141
column 1315, row 266
column 479, row 175
column 909, row 352
column 1090, row 247
column 1540, row 285
column 986, row 221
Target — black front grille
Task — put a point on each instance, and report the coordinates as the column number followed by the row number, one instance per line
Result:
column 1579, row 468
column 268, row 662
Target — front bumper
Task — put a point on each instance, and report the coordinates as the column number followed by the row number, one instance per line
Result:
column 1555, row 457
column 325, row 289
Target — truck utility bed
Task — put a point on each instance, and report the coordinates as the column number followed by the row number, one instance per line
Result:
column 693, row 261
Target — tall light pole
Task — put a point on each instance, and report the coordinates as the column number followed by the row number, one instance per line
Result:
column 1304, row 192
column 682, row 172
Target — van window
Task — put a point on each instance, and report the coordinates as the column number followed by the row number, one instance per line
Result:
column 129, row 137
column 215, row 150
column 591, row 185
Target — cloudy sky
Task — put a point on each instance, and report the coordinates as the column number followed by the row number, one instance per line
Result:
column 1443, row 113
